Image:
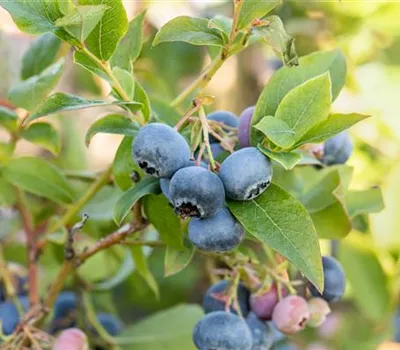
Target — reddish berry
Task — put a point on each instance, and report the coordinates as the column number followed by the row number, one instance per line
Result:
column 263, row 304
column 71, row 339
column 319, row 310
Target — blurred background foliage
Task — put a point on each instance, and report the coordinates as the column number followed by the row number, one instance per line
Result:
column 369, row 34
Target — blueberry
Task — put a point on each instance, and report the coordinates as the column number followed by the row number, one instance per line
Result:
column 218, row 233
column 215, row 298
column 110, row 323
column 195, row 191
column 216, row 149
column 262, row 335
column 334, row 281
column 291, row 314
column 9, row 315
column 160, row 150
column 19, row 280
column 263, row 304
column 337, row 150
column 65, row 309
column 222, row 331
column 245, row 127
column 225, row 117
column 245, row 174
column 72, row 338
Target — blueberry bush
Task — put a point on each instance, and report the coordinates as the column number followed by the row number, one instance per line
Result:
column 251, row 200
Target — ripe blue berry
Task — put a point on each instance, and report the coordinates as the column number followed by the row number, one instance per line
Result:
column 215, row 298
column 225, row 117
column 245, row 127
column 160, row 150
column 334, row 281
column 196, row 192
column 222, row 331
column 218, row 233
column 262, row 335
column 65, row 309
column 19, row 279
column 9, row 315
column 110, row 323
column 245, row 174
column 291, row 314
column 338, row 149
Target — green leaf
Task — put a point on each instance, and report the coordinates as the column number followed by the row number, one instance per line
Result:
column 223, row 25
column 6, row 151
column 44, row 135
column 37, row 176
column 142, row 97
column 252, row 10
column 40, row 55
column 144, row 187
column 277, row 131
column 306, row 105
column 126, row 81
column 7, row 193
column 333, row 125
column 288, row 160
column 81, row 21
column 85, row 61
column 103, row 40
column 130, row 46
column 164, row 113
column 287, row 78
column 143, row 269
column 177, row 259
column 125, row 270
column 30, row 93
column 8, row 119
column 364, row 202
column 161, row 215
column 112, row 124
column 61, row 102
column 192, row 30
column 369, row 283
column 174, row 330
column 124, row 165
column 296, row 239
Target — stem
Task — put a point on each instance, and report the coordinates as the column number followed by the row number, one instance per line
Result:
column 27, row 222
column 238, row 6
column 144, row 243
column 204, row 124
column 187, row 115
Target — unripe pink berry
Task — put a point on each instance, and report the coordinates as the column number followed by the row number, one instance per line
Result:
column 291, row 314
column 319, row 310
column 71, row 339
column 263, row 304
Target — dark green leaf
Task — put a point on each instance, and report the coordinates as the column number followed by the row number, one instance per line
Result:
column 174, row 330
column 112, row 124
column 129, row 47
column 143, row 269
column 252, row 10
column 161, row 215
column 44, row 135
column 144, row 187
column 61, row 102
column 41, row 54
column 142, row 97
column 126, row 81
column 276, row 130
column 8, row 119
column 37, row 176
column 192, row 30
column 266, row 218
column 364, row 202
column 287, row 160
column 30, row 93
column 177, row 259
column 83, row 60
column 103, row 40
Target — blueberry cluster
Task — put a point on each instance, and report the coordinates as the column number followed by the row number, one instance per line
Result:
column 249, row 322
column 195, row 191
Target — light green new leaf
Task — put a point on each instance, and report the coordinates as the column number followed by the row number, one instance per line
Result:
column 252, row 10
column 333, row 125
column 142, row 97
column 6, row 151
column 192, row 30
column 126, row 81
column 144, row 187
column 306, row 105
column 103, row 40
column 289, row 230
column 143, row 269
column 277, row 131
column 81, row 21
column 130, row 46
column 287, row 159
column 30, row 93
column 37, row 176
column 41, row 54
column 287, row 78
column 177, row 259
column 44, row 135
column 364, row 202
column 7, row 194
column 61, row 102
column 223, row 25
column 8, row 119
column 112, row 124
column 83, row 60
column 168, row 224
column 174, row 330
